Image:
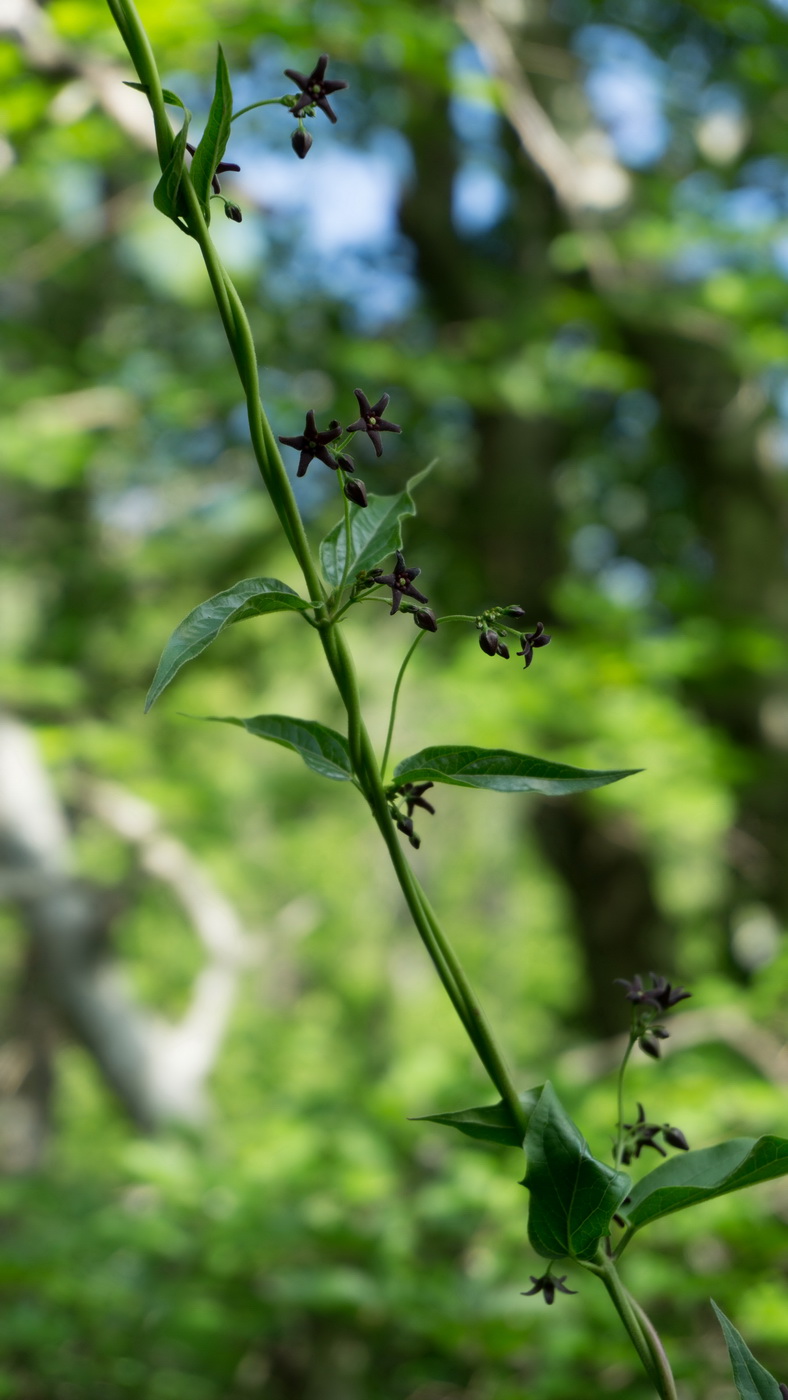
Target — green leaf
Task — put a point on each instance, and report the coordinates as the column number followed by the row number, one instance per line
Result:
column 374, row 533
column 165, row 195
column 323, row 750
column 502, row 770
column 170, row 98
column 492, row 1122
column 694, row 1177
column 216, row 134
column 573, row 1196
column 753, row 1381
column 250, row 598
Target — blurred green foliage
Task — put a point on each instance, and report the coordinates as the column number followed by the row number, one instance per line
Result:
column 608, row 398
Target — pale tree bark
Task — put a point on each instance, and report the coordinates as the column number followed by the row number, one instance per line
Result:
column 72, row 982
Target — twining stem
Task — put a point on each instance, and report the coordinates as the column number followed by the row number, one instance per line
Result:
column 394, row 698
column 641, row 1331
column 272, row 470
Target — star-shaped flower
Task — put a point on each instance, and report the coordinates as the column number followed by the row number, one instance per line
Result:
column 662, row 995
column 413, row 793
column 315, row 89
column 529, row 640
column 400, row 581
column 311, row 443
column 220, row 169
column 371, row 422
column 548, row 1285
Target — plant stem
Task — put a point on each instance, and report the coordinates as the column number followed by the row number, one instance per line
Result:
column 619, row 1148
column 266, row 102
column 394, row 699
column 641, row 1331
column 269, row 460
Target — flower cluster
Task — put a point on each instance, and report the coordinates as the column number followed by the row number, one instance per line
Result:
column 315, row 91
column 642, row 1134
column 312, row 443
column 648, row 1003
column 412, row 795
column 492, row 634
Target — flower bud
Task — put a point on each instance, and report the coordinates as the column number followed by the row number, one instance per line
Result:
column 301, row 141
column 674, row 1137
column 356, row 492
column 649, row 1046
column 345, row 461
column 503, row 650
column 488, row 641
column 405, row 825
column 233, row 212
column 425, row 619
column 783, row 1389
column 514, row 611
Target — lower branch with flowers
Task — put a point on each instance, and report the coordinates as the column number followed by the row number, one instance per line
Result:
column 583, row 1212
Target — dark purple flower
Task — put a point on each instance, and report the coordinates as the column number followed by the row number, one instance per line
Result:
column 301, row 141
column 491, row 644
column 311, row 443
column 233, row 212
column 529, row 640
column 371, row 422
column 345, row 461
column 315, row 89
column 649, row 1046
column 413, row 794
column 425, row 619
column 662, row 996
column 220, row 169
column 400, row 581
column 514, row 610
column 674, row 1137
column 548, row 1285
column 356, row 492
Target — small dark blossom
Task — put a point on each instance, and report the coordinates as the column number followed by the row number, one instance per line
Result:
column 661, row 995
column 413, row 793
column 649, row 1046
column 548, row 1285
column 345, row 461
column 356, row 492
column 371, row 422
column 529, row 640
column 514, row 611
column 220, row 169
column 400, row 581
column 491, row 644
column 301, row 141
column 315, row 89
column 311, row 443
column 425, row 619
column 674, row 1137
column 233, row 212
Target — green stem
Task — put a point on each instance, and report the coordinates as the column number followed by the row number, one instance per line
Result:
column 272, row 470
column 641, row 1331
column 619, row 1148
column 266, row 102
column 394, row 699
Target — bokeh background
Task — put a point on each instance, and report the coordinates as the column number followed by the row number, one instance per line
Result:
column 556, row 231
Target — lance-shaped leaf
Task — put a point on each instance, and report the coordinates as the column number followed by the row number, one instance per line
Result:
column 250, row 598
column 165, row 195
column 573, row 1195
column 492, row 1122
column 323, row 750
column 216, row 134
column 171, row 98
column 375, row 533
column 753, row 1381
column 503, row 771
column 700, row 1176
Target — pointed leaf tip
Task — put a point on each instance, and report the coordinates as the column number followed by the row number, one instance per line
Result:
column 753, row 1381
column 252, row 597
column 501, row 770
